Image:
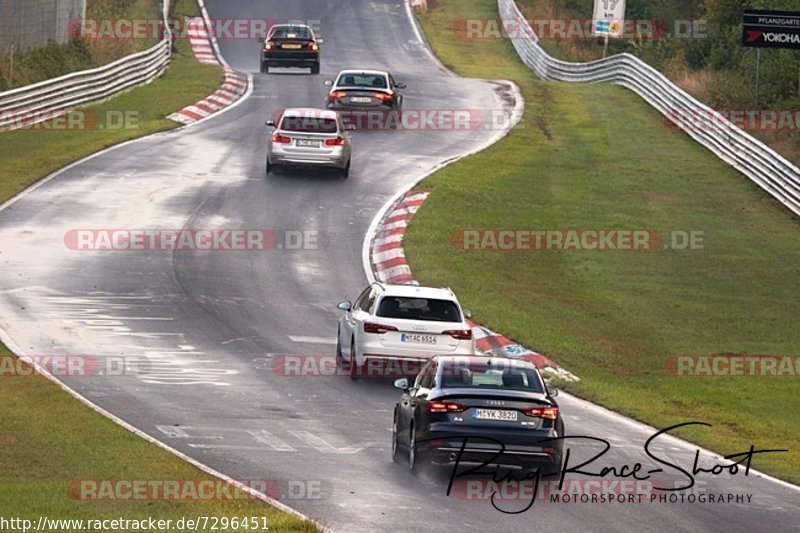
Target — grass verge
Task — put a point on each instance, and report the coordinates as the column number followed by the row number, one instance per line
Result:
column 185, row 82
column 50, row 441
column 598, row 157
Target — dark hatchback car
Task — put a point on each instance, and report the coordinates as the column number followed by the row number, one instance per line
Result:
column 290, row 45
column 481, row 404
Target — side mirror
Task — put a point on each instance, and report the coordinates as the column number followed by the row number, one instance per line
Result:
column 552, row 391
column 467, row 313
column 328, row 83
column 270, row 123
column 345, row 306
column 401, row 384
column 401, row 85
column 350, row 127
column 320, row 41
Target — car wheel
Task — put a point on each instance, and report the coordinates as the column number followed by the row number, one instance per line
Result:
column 345, row 172
column 269, row 167
column 413, row 454
column 339, row 358
column 395, row 444
column 354, row 368
column 315, row 68
column 264, row 67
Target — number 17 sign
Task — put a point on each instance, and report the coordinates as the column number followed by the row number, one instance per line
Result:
column 608, row 19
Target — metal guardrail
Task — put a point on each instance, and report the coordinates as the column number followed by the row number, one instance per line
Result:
column 751, row 157
column 42, row 101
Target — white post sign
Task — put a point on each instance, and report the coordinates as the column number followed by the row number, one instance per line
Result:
column 609, row 18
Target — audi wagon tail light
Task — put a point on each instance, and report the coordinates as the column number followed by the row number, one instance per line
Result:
column 371, row 327
column 460, row 334
column 548, row 413
column 446, row 407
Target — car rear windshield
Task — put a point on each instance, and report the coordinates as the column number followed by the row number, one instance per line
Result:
column 419, row 309
column 291, row 32
column 505, row 377
column 377, row 81
column 309, row 124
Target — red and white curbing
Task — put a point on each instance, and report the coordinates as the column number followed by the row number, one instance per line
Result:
column 389, row 265
column 234, row 86
column 198, row 35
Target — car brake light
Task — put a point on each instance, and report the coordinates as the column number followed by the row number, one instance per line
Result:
column 371, row 327
column 446, row 407
column 280, row 139
column 313, row 46
column 548, row 413
column 460, row 334
column 268, row 45
column 338, row 94
column 385, row 97
column 338, row 141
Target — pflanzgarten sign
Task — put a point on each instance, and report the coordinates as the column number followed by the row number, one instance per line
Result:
column 609, row 18
column 771, row 29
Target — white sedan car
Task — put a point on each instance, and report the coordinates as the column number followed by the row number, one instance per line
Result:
column 402, row 322
column 309, row 137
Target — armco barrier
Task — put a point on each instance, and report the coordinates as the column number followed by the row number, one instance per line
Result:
column 751, row 157
column 47, row 99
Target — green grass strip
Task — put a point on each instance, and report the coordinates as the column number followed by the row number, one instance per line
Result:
column 599, row 157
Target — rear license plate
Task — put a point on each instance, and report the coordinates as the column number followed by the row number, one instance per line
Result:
column 360, row 99
column 304, row 142
column 495, row 414
column 292, row 46
column 417, row 338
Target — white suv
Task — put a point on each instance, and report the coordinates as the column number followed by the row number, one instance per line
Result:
column 405, row 322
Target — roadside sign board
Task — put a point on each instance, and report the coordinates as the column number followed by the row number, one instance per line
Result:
column 609, row 17
column 771, row 29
